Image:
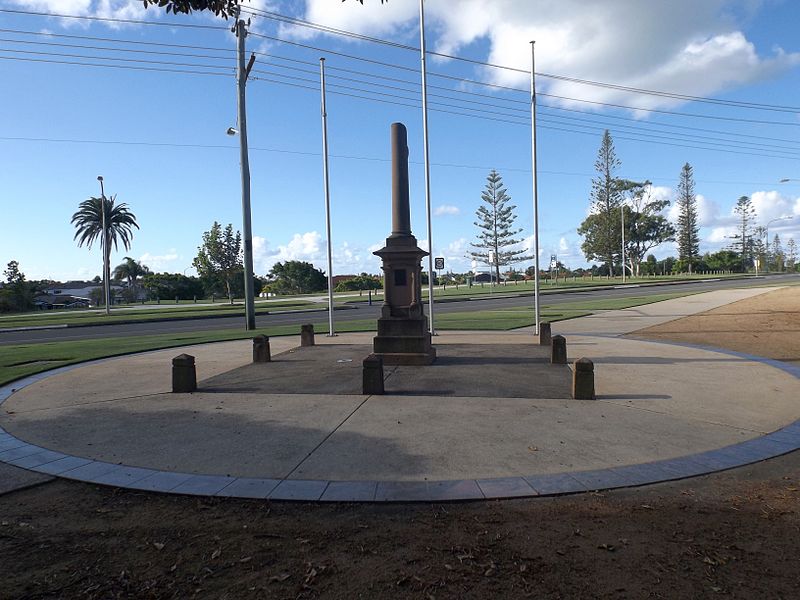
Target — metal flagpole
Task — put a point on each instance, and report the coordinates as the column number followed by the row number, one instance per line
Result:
column 241, row 76
column 324, row 110
column 622, row 220
column 427, row 163
column 535, row 193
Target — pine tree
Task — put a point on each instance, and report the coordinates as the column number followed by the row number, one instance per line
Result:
column 777, row 253
column 791, row 254
column 495, row 222
column 602, row 229
column 688, row 228
column 746, row 213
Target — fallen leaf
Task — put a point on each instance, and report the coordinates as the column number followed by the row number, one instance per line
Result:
column 608, row 547
column 158, row 545
column 216, row 553
column 281, row 577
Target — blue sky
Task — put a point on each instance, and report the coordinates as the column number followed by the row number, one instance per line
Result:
column 158, row 138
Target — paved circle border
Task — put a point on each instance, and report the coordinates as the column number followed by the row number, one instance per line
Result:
column 17, row 452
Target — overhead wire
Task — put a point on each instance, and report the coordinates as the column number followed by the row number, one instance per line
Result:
column 416, row 84
column 519, row 119
column 327, row 29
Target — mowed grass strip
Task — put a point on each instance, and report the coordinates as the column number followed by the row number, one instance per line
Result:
column 119, row 315
column 21, row 360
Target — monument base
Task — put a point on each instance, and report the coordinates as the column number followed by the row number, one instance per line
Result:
column 404, row 341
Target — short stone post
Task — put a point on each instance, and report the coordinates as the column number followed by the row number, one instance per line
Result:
column 583, row 380
column 184, row 375
column 558, row 350
column 544, row 334
column 307, row 335
column 261, row 352
column 372, row 379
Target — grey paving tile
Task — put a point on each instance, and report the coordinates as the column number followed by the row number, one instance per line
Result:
column 601, row 479
column 462, row 489
column 62, row 465
column 246, row 487
column 161, row 481
column 716, row 460
column 683, row 466
column 20, row 452
column 556, row 483
column 10, row 442
column 124, row 476
column 90, row 471
column 203, row 485
column 298, row 489
column 38, row 459
column 506, row 487
column 401, row 491
column 789, row 437
column 644, row 473
column 350, row 491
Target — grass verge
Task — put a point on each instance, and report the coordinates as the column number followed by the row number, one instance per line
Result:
column 21, row 360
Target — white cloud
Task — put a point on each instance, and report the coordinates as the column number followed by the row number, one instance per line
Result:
column 771, row 205
column 687, row 46
column 446, row 209
column 311, row 247
column 160, row 262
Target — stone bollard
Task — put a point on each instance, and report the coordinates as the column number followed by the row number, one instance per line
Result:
column 583, row 380
column 558, row 350
column 307, row 335
column 544, row 334
column 184, row 375
column 261, row 353
column 372, row 379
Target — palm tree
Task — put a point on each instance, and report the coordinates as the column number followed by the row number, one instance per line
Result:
column 131, row 270
column 88, row 222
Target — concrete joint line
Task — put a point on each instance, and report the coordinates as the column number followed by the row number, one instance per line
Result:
column 325, row 439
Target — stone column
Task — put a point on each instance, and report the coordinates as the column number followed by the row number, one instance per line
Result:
column 558, row 350
column 261, row 351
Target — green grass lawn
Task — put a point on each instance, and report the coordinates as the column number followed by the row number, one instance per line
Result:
column 21, row 360
column 118, row 315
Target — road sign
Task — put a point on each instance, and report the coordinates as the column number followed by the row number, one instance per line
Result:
column 438, row 263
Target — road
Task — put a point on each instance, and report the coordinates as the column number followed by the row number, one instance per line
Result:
column 363, row 311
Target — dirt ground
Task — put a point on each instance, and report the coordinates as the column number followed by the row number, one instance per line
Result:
column 766, row 325
column 732, row 534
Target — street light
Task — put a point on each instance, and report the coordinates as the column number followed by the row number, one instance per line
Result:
column 104, row 245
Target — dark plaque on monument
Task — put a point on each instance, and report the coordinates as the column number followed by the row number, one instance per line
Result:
column 403, row 337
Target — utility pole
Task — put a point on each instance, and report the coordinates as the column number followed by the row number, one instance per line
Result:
column 326, row 181
column 427, row 162
column 106, row 257
column 241, row 77
column 535, row 194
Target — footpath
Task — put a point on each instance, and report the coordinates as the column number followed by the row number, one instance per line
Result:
column 664, row 411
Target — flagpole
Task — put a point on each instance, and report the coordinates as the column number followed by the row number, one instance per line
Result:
column 535, row 192
column 324, row 111
column 427, row 163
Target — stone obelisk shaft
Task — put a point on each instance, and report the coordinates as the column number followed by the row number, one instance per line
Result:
column 401, row 214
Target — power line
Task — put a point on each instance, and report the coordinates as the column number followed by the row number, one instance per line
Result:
column 110, row 66
column 778, row 152
column 293, row 20
column 341, row 156
column 630, row 89
column 111, row 20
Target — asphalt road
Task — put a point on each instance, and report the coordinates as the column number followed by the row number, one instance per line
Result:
column 481, row 301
